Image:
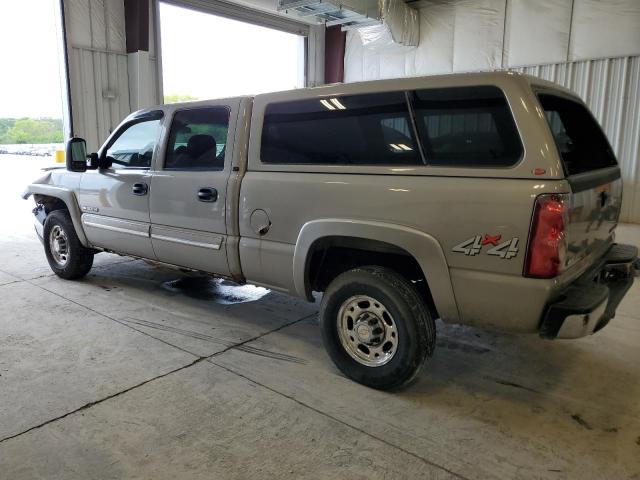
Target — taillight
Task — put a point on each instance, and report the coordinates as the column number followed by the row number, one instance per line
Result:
column 546, row 251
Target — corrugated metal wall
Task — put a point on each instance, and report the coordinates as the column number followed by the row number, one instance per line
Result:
column 98, row 67
column 611, row 88
column 99, row 92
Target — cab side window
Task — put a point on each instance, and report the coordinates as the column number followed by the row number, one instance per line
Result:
column 467, row 126
column 198, row 139
column 135, row 146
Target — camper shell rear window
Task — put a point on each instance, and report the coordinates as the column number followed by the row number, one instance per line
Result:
column 581, row 143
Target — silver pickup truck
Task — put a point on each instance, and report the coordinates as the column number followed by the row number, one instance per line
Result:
column 483, row 199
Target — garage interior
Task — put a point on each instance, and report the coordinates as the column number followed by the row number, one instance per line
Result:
column 141, row 372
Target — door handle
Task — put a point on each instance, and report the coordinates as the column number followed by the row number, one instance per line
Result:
column 140, row 189
column 208, row 194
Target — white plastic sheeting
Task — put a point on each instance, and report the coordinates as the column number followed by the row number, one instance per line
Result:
column 605, row 28
column 537, row 32
column 477, row 35
column 400, row 28
column 474, row 35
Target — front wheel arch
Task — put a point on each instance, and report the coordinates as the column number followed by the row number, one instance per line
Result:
column 55, row 195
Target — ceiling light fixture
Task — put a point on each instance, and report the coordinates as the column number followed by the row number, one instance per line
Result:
column 327, row 105
column 338, row 104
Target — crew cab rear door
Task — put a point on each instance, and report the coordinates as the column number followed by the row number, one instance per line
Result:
column 592, row 171
column 188, row 197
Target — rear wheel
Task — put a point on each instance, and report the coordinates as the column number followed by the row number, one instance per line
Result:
column 67, row 257
column 376, row 327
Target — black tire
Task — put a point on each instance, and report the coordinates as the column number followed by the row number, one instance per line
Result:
column 78, row 259
column 410, row 317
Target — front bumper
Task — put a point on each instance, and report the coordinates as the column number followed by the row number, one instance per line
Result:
column 589, row 303
column 38, row 221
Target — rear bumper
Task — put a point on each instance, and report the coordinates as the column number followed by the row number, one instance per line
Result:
column 590, row 302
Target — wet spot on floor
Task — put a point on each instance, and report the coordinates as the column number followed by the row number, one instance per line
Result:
column 215, row 290
column 451, row 344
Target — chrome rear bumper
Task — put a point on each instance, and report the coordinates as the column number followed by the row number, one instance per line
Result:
column 588, row 304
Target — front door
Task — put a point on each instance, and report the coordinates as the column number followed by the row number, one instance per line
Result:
column 115, row 201
column 189, row 189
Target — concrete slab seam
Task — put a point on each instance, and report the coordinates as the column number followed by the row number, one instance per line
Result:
column 353, row 427
column 194, row 362
column 96, row 402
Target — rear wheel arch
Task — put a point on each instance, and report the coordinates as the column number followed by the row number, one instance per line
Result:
column 364, row 243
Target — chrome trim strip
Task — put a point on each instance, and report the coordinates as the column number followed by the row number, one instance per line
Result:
column 116, row 229
column 191, row 243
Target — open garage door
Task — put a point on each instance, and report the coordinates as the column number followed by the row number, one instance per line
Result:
column 221, row 53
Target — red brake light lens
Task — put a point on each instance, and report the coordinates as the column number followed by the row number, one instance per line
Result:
column 546, row 252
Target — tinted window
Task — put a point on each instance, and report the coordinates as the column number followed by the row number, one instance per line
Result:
column 579, row 139
column 198, row 139
column 135, row 145
column 470, row 126
column 346, row 130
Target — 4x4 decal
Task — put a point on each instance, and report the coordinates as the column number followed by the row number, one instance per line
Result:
column 473, row 246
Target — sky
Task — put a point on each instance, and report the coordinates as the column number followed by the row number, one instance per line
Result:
column 29, row 75
column 197, row 59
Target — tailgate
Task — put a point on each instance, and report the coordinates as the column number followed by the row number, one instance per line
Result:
column 592, row 171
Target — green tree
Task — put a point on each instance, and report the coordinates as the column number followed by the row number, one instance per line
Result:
column 32, row 130
column 177, row 97
column 5, row 125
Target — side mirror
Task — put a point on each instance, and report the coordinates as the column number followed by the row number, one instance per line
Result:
column 76, row 155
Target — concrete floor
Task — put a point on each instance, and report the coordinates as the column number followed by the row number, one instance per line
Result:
column 132, row 374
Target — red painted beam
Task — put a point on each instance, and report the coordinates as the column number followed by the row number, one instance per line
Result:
column 136, row 24
column 334, row 44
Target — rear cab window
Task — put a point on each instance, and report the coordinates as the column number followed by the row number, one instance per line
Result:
column 581, row 143
column 197, row 140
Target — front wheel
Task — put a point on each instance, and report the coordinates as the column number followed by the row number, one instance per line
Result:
column 67, row 257
column 376, row 327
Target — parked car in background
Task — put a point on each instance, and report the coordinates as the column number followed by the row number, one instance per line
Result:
column 483, row 199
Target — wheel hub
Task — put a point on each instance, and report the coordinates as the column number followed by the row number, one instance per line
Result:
column 59, row 245
column 367, row 331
